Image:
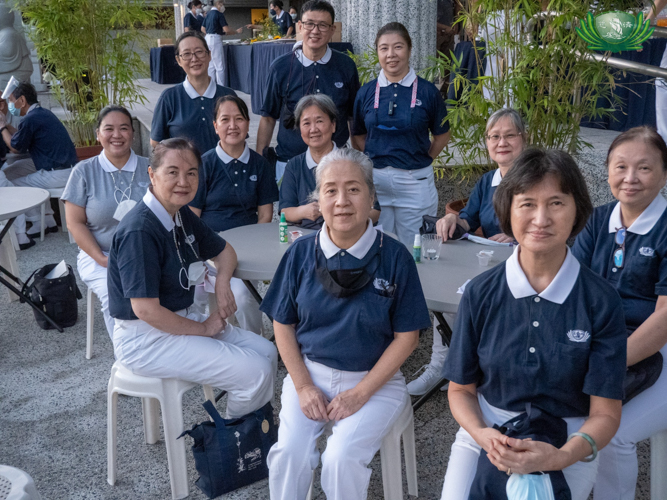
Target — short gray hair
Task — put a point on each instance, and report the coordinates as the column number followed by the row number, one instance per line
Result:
column 322, row 101
column 361, row 160
column 513, row 116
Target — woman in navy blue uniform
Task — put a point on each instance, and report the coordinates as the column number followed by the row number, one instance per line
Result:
column 284, row 20
column 394, row 116
column 625, row 242
column 193, row 19
column 505, row 139
column 156, row 256
column 315, row 116
column 347, row 306
column 187, row 110
column 538, row 330
column 236, row 188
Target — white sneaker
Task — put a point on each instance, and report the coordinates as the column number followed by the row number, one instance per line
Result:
column 426, row 381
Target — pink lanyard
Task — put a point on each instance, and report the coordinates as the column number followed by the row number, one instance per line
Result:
column 413, row 101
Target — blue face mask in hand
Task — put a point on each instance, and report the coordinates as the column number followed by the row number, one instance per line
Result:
column 13, row 110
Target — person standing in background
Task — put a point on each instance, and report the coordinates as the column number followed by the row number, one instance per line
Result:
column 193, row 19
column 214, row 26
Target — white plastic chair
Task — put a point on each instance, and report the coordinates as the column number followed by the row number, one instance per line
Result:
column 390, row 457
column 169, row 393
column 90, row 320
column 16, row 484
column 55, row 193
column 658, row 461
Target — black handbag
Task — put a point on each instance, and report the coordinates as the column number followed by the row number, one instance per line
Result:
column 428, row 227
column 641, row 376
column 231, row 453
column 56, row 297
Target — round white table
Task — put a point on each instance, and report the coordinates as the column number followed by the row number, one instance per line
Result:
column 15, row 201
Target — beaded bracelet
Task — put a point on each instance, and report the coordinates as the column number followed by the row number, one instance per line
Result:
column 590, row 440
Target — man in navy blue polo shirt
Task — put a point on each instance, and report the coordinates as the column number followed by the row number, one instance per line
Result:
column 311, row 68
column 214, row 26
column 43, row 136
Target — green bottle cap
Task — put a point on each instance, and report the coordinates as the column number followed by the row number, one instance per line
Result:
column 282, row 218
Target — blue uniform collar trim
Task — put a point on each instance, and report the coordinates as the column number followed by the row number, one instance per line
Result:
column 358, row 250
column 645, row 222
column 193, row 94
column 557, row 291
column 107, row 166
column 307, row 62
column 244, row 158
column 407, row 80
column 497, row 177
column 160, row 212
column 310, row 163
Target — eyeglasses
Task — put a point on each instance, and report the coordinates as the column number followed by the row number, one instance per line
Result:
column 495, row 138
column 310, row 26
column 620, row 251
column 199, row 54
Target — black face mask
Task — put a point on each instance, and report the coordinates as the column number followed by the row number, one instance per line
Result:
column 343, row 283
column 272, row 12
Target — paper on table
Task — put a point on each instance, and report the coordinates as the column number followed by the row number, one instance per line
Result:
column 462, row 288
column 57, row 272
column 484, row 241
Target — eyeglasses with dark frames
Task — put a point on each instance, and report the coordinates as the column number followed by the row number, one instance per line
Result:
column 187, row 56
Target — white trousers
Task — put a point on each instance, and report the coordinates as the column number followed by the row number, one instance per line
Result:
column 19, row 223
column 47, row 179
column 661, row 101
column 465, row 453
column 405, row 196
column 216, row 68
column 95, row 277
column 642, row 417
column 237, row 361
column 353, row 444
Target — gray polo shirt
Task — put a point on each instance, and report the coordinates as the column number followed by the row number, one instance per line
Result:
column 91, row 186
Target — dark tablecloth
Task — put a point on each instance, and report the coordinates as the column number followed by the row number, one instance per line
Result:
column 164, row 68
column 637, row 91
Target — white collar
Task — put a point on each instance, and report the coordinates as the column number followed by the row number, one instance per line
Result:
column 307, row 62
column 214, row 8
column 160, row 212
column 279, row 16
column 107, row 166
column 497, row 177
column 358, row 250
column 310, row 163
column 646, row 220
column 244, row 158
column 405, row 82
column 193, row 94
column 559, row 288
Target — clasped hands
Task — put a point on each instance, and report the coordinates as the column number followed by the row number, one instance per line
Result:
column 216, row 322
column 316, row 406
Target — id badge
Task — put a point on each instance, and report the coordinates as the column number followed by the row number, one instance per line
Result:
column 196, row 273
column 123, row 208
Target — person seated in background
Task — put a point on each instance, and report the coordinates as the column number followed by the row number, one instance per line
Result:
column 625, row 242
column 45, row 138
column 315, row 116
column 156, row 256
column 187, row 110
column 505, row 139
column 236, row 188
column 539, row 331
column 193, row 20
column 12, row 164
column 99, row 193
column 347, row 307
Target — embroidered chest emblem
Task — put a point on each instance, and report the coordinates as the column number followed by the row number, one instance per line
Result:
column 339, row 85
column 381, row 284
column 578, row 335
column 418, row 102
column 646, row 251
column 253, row 178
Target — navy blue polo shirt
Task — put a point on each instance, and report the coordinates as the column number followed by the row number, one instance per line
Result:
column 400, row 140
column 230, row 190
column 181, row 112
column 347, row 333
column 644, row 273
column 283, row 22
column 292, row 76
column 43, row 135
column 143, row 262
column 479, row 211
column 553, row 350
column 214, row 22
column 299, row 182
column 193, row 22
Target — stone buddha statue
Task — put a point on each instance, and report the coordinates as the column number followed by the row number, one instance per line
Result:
column 14, row 52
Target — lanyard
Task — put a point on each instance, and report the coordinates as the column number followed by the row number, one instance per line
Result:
column 123, row 192
column 413, row 101
column 189, row 240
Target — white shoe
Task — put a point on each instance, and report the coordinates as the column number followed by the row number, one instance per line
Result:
column 426, row 381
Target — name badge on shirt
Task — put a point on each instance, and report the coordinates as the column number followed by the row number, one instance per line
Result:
column 123, row 208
